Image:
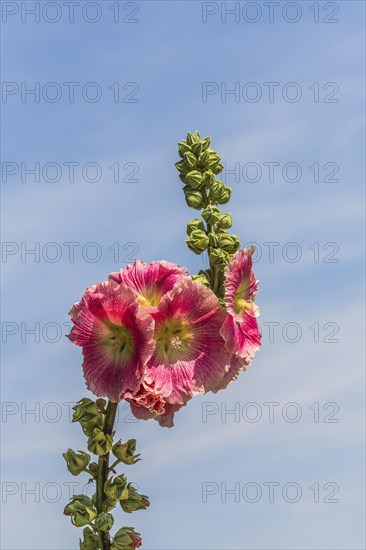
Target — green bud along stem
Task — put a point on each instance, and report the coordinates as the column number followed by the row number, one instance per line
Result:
column 102, row 474
column 96, row 419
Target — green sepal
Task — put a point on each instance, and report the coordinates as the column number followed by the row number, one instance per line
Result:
column 197, row 241
column 126, row 539
column 203, row 277
column 194, row 225
column 81, row 510
column 104, row 521
column 76, row 462
column 125, row 452
column 86, row 413
column 135, row 501
column 116, row 488
column 90, row 541
column 218, row 257
column 100, row 443
column 211, row 214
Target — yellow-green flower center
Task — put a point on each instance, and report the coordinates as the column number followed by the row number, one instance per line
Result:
column 174, row 339
column 241, row 301
column 149, row 297
column 118, row 340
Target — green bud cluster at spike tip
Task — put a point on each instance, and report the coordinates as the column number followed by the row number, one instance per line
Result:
column 198, row 168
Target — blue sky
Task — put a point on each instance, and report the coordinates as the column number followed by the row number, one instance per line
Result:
column 163, row 61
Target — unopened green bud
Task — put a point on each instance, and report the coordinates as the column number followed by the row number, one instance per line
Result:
column 194, row 225
column 197, row 148
column 76, row 462
column 104, row 521
column 225, row 220
column 206, row 143
column 208, row 178
column 125, row 452
column 216, row 189
column 213, row 159
column 135, row 501
column 211, row 214
column 90, row 540
column 193, row 138
column 197, row 241
column 81, row 510
column 86, row 412
column 210, row 159
column 193, row 197
column 183, row 147
column 190, row 160
column 194, row 179
column 203, row 277
column 217, row 168
column 225, row 196
column 182, row 167
column 220, row 193
column 116, row 488
column 218, row 257
column 93, row 468
column 126, row 539
column 229, row 243
column 100, row 443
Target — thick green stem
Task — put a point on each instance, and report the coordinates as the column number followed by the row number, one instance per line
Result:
column 102, row 474
column 211, row 231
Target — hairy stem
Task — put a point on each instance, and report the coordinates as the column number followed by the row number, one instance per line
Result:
column 102, row 474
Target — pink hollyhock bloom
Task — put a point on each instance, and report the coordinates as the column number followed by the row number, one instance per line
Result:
column 146, row 404
column 190, row 356
column 150, row 281
column 116, row 337
column 240, row 329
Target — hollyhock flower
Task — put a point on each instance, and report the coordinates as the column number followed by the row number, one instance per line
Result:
column 189, row 357
column 150, row 281
column 116, row 337
column 240, row 329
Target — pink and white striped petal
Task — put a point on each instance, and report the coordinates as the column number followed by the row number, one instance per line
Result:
column 190, row 356
column 116, row 338
column 150, row 281
column 240, row 329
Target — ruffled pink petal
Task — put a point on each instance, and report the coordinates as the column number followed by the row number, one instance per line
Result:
column 195, row 361
column 166, row 420
column 150, row 281
column 240, row 280
column 149, row 405
column 116, row 337
column 242, row 338
column 147, row 401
